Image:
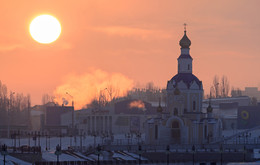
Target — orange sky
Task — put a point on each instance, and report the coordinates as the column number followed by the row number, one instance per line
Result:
column 137, row 39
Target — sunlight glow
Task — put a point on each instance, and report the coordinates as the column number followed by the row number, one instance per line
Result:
column 45, row 29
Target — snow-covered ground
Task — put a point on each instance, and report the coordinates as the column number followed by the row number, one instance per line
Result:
column 11, row 160
column 49, row 155
column 51, row 144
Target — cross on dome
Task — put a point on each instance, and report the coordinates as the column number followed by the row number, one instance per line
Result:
column 185, row 41
column 185, row 27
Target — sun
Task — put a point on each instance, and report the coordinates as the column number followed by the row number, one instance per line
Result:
column 45, row 29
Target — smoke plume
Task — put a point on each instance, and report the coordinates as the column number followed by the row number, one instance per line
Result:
column 82, row 89
column 137, row 104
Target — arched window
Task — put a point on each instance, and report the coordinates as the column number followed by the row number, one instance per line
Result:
column 175, row 112
column 176, row 132
column 175, row 124
column 194, row 105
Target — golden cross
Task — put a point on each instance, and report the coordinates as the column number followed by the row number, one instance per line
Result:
column 185, row 26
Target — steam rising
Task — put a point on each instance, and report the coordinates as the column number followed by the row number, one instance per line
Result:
column 82, row 89
column 137, row 104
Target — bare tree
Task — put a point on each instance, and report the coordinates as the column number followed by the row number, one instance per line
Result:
column 215, row 87
column 46, row 98
column 224, row 87
column 150, row 86
column 236, row 92
column 220, row 89
column 14, row 106
column 102, row 99
column 112, row 91
column 253, row 101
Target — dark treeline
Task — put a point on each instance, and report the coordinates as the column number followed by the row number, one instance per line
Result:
column 150, row 93
column 13, row 107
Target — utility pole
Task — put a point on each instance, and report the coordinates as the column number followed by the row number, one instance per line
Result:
column 81, row 141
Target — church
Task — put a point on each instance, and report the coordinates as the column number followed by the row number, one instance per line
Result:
column 182, row 121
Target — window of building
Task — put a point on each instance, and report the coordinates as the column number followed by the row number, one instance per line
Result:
column 85, row 121
column 205, row 132
column 176, row 133
column 194, row 105
column 156, row 132
column 175, row 124
column 188, row 66
column 175, row 112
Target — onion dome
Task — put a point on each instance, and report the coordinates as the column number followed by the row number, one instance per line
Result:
column 185, row 41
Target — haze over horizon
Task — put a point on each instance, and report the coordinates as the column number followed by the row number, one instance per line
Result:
column 137, row 41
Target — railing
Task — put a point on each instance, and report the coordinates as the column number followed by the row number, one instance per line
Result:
column 238, row 135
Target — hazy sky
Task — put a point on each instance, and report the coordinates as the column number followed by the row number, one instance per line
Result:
column 135, row 39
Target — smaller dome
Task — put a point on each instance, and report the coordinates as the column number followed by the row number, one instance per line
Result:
column 185, row 41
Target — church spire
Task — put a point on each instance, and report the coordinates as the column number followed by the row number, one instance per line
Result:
column 185, row 60
column 209, row 109
column 185, row 41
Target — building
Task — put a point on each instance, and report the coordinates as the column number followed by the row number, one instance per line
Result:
column 54, row 116
column 248, row 117
column 251, row 92
column 52, row 119
column 240, row 100
column 227, row 109
column 123, row 117
column 183, row 120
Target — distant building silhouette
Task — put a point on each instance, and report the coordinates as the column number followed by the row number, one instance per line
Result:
column 124, row 116
column 251, row 92
column 50, row 118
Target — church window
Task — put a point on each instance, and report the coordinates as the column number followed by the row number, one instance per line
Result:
column 194, row 105
column 156, row 132
column 85, row 121
column 175, row 124
column 188, row 66
column 175, row 112
column 176, row 133
column 205, row 132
